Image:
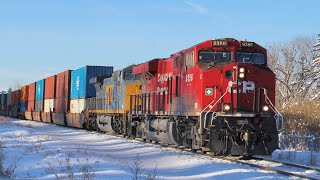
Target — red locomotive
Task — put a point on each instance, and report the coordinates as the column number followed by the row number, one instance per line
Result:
column 216, row 96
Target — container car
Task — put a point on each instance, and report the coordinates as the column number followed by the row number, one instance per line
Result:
column 81, row 89
column 62, row 98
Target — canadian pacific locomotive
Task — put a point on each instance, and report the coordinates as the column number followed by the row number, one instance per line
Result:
column 217, row 96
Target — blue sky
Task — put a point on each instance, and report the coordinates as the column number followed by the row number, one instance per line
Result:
column 39, row 38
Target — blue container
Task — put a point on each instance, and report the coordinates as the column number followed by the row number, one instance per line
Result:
column 40, row 89
column 80, row 86
column 23, row 106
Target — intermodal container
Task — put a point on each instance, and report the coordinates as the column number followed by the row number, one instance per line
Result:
column 50, row 87
column 77, row 105
column 39, row 105
column 31, row 96
column 9, row 98
column 40, row 89
column 63, row 87
column 49, row 105
column 80, row 86
column 23, row 106
column 4, row 99
column 63, row 83
column 15, row 97
column 24, row 93
column 62, row 105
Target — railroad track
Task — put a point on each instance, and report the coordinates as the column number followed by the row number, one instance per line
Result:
column 255, row 161
column 297, row 170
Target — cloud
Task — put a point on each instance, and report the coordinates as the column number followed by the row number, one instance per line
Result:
column 198, row 8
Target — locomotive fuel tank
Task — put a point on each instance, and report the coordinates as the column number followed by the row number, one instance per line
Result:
column 163, row 130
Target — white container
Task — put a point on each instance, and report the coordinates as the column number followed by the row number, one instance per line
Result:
column 48, row 105
column 77, row 105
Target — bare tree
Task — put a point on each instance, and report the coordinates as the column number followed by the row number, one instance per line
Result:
column 298, row 73
column 16, row 85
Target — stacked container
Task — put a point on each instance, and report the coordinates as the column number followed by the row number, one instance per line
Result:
column 81, row 89
column 23, row 101
column 31, row 101
column 9, row 107
column 49, row 95
column 39, row 103
column 62, row 98
column 3, row 103
column 15, row 102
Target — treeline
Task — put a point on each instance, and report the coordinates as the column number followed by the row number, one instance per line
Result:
column 297, row 66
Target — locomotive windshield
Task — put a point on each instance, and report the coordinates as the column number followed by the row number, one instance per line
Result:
column 208, row 56
column 254, row 58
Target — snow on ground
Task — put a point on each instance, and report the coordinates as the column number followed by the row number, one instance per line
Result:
column 46, row 151
column 308, row 158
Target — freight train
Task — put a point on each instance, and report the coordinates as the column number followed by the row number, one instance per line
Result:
column 217, row 96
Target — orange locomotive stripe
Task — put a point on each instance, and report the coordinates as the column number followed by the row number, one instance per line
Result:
column 108, row 111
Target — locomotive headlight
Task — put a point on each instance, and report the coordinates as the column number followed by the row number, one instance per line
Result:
column 241, row 75
column 226, row 107
column 242, row 69
column 265, row 108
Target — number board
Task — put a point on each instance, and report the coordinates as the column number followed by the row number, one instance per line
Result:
column 247, row 44
column 219, row 43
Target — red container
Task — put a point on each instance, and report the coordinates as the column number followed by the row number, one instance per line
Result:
column 50, row 87
column 63, row 84
column 15, row 97
column 62, row 105
column 31, row 96
column 24, row 93
column 151, row 67
column 63, row 87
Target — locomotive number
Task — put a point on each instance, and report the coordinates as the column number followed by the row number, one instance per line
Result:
column 219, row 43
column 189, row 77
column 247, row 44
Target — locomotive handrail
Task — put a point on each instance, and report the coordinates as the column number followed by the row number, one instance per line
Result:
column 278, row 116
column 202, row 125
